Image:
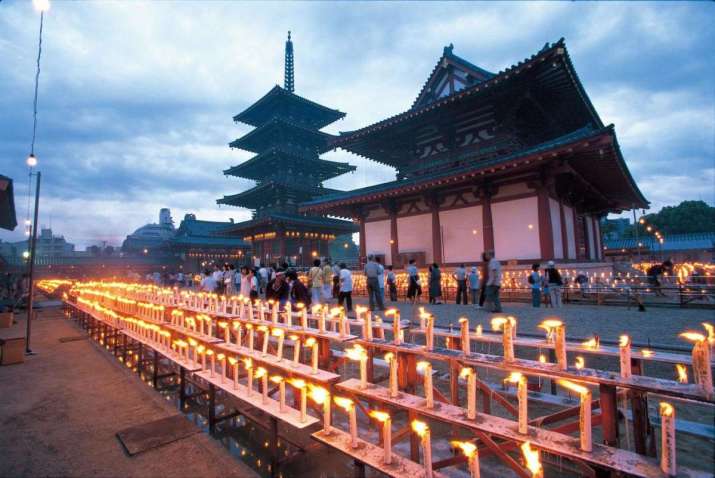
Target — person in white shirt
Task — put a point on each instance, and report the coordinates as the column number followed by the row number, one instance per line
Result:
column 493, row 282
column 245, row 282
column 346, row 288
column 208, row 283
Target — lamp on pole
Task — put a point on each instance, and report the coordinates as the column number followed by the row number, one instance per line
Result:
column 42, row 6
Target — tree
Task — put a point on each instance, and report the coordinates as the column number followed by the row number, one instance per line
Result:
column 687, row 217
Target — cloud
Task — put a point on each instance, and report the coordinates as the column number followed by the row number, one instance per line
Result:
column 136, row 98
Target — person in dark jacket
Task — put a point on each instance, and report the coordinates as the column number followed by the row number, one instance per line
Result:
column 435, row 284
column 299, row 293
column 553, row 280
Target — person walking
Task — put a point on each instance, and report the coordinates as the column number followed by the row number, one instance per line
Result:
column 460, row 275
column 372, row 273
column 494, row 278
column 435, row 285
column 414, row 290
column 534, row 280
column 315, row 278
column 336, row 281
column 391, row 284
column 553, row 279
column 327, row 281
column 346, row 288
column 473, row 280
column 229, row 278
column 484, row 276
column 381, row 279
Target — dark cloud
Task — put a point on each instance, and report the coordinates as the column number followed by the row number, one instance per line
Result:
column 136, row 98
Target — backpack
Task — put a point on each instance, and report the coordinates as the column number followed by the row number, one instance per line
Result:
column 531, row 278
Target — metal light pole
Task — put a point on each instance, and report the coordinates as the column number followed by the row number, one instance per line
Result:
column 33, row 244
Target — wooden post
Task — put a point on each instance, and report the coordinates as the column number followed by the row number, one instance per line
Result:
column 487, row 223
column 546, row 232
column 414, row 439
column 609, row 414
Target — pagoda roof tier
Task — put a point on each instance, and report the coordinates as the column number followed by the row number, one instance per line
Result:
column 549, row 74
column 275, row 159
column 592, row 154
column 266, row 191
column 279, row 131
column 286, row 221
column 279, row 102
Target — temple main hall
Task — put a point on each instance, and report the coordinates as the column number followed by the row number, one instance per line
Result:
column 288, row 170
column 518, row 162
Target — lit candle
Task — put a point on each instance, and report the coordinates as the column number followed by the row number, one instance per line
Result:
column 357, row 352
column 251, row 314
column 367, row 326
column 213, row 362
column 395, row 314
column 317, row 313
column 508, row 326
column 349, row 406
column 202, row 351
column 222, row 359
column 464, row 336
column 234, row 364
column 584, row 413
column 533, row 462
column 702, row 372
column 479, row 330
column 296, row 349
column 682, row 373
column 239, row 332
column 386, row 421
column 265, row 330
column 521, row 394
column 423, row 431
column 248, row 363
column 429, row 333
column 667, row 439
column 281, row 392
column 322, row 397
column 208, row 321
column 274, row 311
column 263, row 375
column 426, row 369
column 301, row 385
column 391, row 359
column 470, row 451
column 226, row 331
column 280, row 333
column 380, row 329
column 624, row 348
column 200, row 319
column 471, row 376
column 288, row 314
column 193, row 345
column 303, row 314
column 250, row 331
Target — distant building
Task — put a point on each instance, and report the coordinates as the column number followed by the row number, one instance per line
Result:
column 698, row 247
column 614, row 228
column 199, row 243
column 48, row 246
column 151, row 236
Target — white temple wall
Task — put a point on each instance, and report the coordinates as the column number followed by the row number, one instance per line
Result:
column 570, row 233
column 516, row 229
column 590, row 237
column 459, row 241
column 555, row 211
column 377, row 239
column 414, row 234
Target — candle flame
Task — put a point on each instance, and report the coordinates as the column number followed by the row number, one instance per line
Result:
column 209, row 352
column 260, row 372
column 498, row 323
column 236, row 325
column 223, row 325
column 531, row 456
column 232, row 361
column 310, row 341
column 574, row 387
column 542, row 358
column 344, row 403
column 479, row 330
column 319, row 394
column 293, row 337
column 419, row 427
column 297, row 382
column 356, row 353
column 666, row 409
column 647, row 353
column 592, row 344
column 466, row 372
column 248, row 363
column 693, row 336
column 514, row 377
column 682, row 373
column 624, row 341
column 710, row 330
column 389, row 356
column 391, row 312
column 193, row 343
column 550, row 324
column 277, row 332
column 262, row 328
column 468, row 448
column 423, row 365
column 381, row 417
column 220, row 356
column 580, row 363
column 276, row 379
column 464, row 320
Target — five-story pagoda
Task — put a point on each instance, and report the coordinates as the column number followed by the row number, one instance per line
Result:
column 288, row 170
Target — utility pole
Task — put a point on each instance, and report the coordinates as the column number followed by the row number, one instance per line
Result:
column 31, row 279
column 635, row 226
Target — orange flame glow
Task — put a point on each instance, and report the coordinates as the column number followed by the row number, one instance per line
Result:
column 468, row 448
column 682, row 373
column 344, row 403
column 419, row 427
column 379, row 416
column 533, row 461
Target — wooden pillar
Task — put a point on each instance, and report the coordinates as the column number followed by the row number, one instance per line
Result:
column 546, row 231
column 282, row 245
column 363, row 245
column 394, row 245
column 564, row 233
column 487, row 223
column 609, row 414
column 436, row 236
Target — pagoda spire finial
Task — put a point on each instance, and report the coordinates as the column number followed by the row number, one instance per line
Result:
column 289, row 83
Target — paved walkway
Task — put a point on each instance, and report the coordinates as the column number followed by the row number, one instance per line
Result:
column 61, row 409
column 660, row 325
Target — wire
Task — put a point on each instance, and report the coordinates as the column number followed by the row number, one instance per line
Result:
column 37, row 82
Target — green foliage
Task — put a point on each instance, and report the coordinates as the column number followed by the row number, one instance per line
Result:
column 686, row 217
